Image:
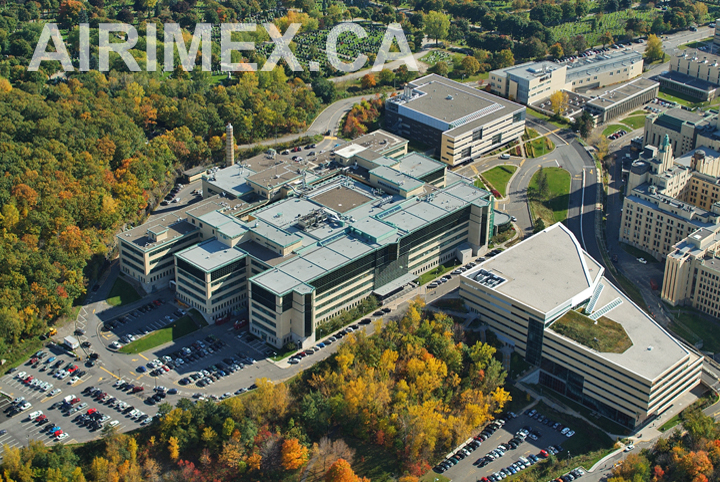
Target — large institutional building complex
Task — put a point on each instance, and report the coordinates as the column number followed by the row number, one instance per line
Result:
column 693, row 73
column 464, row 122
column 666, row 198
column 684, row 129
column 548, row 299
column 533, row 81
column 294, row 243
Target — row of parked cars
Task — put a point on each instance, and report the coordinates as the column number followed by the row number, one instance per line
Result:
column 103, row 397
column 213, row 373
column 617, row 134
column 332, row 339
column 52, row 429
column 551, row 423
column 170, row 198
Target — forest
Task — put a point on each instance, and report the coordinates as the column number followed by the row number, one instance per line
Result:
column 82, row 158
column 413, row 391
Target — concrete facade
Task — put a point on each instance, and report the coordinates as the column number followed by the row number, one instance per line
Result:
column 521, row 293
column 622, row 100
column 464, row 122
column 681, row 126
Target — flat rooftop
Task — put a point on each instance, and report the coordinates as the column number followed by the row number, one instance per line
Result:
column 342, row 199
column 602, row 62
column 544, row 271
column 688, row 81
column 532, row 70
column 623, row 93
column 418, row 165
column 453, row 103
column 397, row 178
column 172, row 224
column 210, row 255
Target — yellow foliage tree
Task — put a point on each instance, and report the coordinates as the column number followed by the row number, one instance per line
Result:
column 173, row 448
column 294, row 454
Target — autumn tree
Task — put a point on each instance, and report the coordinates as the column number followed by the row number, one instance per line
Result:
column 559, row 102
column 654, row 48
column 606, row 39
column 173, row 448
column 556, row 51
column 294, row 455
column 368, row 81
column 341, row 471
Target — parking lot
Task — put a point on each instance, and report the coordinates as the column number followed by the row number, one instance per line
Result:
column 540, row 436
column 17, row 429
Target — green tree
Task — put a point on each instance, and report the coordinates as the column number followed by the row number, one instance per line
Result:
column 386, row 76
column 437, row 25
column 470, row 65
column 539, row 225
column 324, row 90
column 440, row 68
column 606, row 39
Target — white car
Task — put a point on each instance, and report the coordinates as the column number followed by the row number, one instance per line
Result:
column 62, row 436
column 115, row 345
column 118, row 382
column 629, row 448
column 570, row 433
column 505, row 156
column 565, row 431
column 73, row 380
column 61, row 374
column 146, row 421
column 21, row 375
column 114, row 423
column 25, row 406
column 642, row 260
column 55, row 392
column 64, row 375
column 35, row 415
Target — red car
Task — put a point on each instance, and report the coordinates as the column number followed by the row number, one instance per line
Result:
column 91, row 411
column 72, row 369
column 74, row 401
column 157, row 302
column 137, row 389
column 41, row 418
column 100, row 396
column 33, row 360
column 29, row 379
column 544, row 454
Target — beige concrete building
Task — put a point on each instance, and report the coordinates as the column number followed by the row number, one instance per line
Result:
column 464, row 122
column 548, row 280
column 694, row 73
column 531, row 82
column 682, row 127
column 692, row 272
column 657, row 209
column 630, row 96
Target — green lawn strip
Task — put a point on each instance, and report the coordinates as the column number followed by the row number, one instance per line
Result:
column 670, row 423
column 539, row 147
column 428, row 276
column 674, row 96
column 452, row 304
column 612, row 128
column 638, row 253
column 603, row 334
column 634, row 122
column 499, row 177
column 177, row 329
column 602, row 422
column 18, row 354
column 555, row 207
column 122, row 293
column 695, row 44
column 433, row 477
column 639, row 112
column 480, row 184
column 556, row 123
column 694, row 328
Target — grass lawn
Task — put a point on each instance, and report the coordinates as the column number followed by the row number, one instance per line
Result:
column 694, row 328
column 682, row 99
column 696, row 44
column 635, row 122
column 480, row 184
column 612, row 128
column 603, row 335
column 670, row 423
column 638, row 253
column 122, row 293
column 433, row 477
column 428, row 276
column 539, row 147
column 639, row 112
column 178, row 329
column 602, row 422
column 499, row 177
column 555, row 207
column 556, row 123
column 453, row 304
column 520, row 399
column 518, row 365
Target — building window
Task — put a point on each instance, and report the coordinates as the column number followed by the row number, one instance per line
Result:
column 497, row 138
column 465, row 152
column 477, row 135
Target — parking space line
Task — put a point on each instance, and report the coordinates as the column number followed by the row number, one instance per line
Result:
column 146, row 358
